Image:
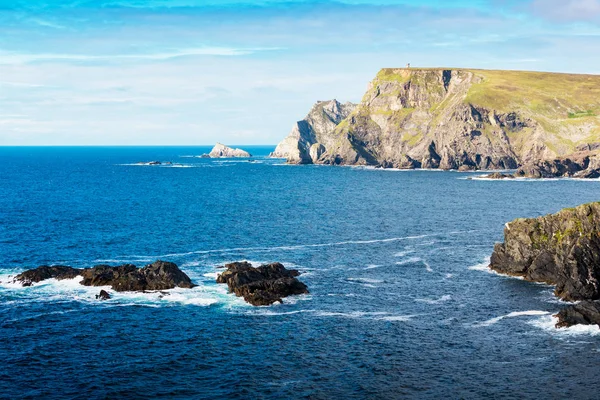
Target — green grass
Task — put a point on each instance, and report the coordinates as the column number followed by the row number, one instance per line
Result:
column 556, row 96
column 582, row 114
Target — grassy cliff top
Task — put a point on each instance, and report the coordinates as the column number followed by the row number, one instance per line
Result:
column 557, row 96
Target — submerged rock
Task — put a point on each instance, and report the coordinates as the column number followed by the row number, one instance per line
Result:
column 222, row 151
column 264, row 285
column 561, row 249
column 160, row 275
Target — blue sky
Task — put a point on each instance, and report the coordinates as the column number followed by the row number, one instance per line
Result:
column 241, row 72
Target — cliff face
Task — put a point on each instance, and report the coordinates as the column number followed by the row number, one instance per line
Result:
column 458, row 119
column 562, row 249
column 309, row 137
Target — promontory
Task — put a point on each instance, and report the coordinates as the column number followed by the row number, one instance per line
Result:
column 463, row 119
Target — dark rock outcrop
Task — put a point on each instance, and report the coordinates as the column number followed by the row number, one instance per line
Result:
column 44, row 272
column 583, row 313
column 561, row 249
column 499, row 175
column 264, row 285
column 160, row 275
column 103, row 295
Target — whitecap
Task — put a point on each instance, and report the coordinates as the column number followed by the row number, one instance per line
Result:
column 403, row 253
column 410, row 260
column 396, row 318
column 373, row 266
column 435, row 301
column 365, row 280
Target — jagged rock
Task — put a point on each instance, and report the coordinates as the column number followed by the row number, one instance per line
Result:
column 261, row 286
column 584, row 313
column 561, row 249
column 159, row 275
column 310, row 137
column 450, row 119
column 222, row 151
column 103, row 295
column 44, row 272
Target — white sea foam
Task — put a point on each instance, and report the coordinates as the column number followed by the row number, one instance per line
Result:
column 427, row 267
column 484, row 267
column 403, row 253
column 435, row 301
column 449, row 276
column 548, row 322
column 365, row 280
column 396, row 318
column 373, row 266
column 492, row 321
column 411, row 260
column 72, row 290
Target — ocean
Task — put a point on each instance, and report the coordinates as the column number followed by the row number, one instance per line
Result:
column 401, row 303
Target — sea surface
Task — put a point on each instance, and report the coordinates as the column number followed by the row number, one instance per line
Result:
column 401, row 304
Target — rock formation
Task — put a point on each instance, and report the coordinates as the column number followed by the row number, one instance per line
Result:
column 159, row 275
column 222, row 151
column 585, row 165
column 452, row 119
column 561, row 249
column 261, row 286
column 308, row 140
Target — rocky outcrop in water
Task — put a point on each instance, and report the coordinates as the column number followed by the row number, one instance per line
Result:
column 103, row 295
column 583, row 165
column 561, row 249
column 160, row 275
column 309, row 138
column 264, row 285
column 222, row 151
column 452, row 119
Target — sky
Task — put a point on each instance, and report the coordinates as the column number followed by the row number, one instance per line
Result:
column 192, row 72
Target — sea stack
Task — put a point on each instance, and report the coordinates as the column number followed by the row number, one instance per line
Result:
column 561, row 249
column 222, row 151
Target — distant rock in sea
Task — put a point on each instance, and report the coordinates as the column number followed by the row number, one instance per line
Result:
column 561, row 249
column 222, row 151
column 160, row 275
column 261, row 286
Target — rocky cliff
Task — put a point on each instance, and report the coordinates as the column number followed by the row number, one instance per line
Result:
column 561, row 249
column 454, row 119
column 311, row 136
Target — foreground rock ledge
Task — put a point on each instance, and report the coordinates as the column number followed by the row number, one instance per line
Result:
column 264, row 285
column 160, row 275
column 561, row 249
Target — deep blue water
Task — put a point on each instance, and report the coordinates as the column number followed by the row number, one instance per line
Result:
column 400, row 306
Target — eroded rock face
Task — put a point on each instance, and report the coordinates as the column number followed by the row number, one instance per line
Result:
column 561, row 249
column 160, row 275
column 261, row 286
column 310, row 137
column 222, row 151
column 583, row 313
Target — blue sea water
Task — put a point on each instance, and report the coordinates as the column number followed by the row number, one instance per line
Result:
column 401, row 304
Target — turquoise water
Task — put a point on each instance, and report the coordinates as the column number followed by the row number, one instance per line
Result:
column 401, row 305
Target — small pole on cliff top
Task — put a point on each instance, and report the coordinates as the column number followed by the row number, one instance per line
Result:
column 408, row 66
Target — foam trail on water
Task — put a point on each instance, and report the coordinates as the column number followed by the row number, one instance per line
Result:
column 411, row 260
column 292, row 247
column 492, row 321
